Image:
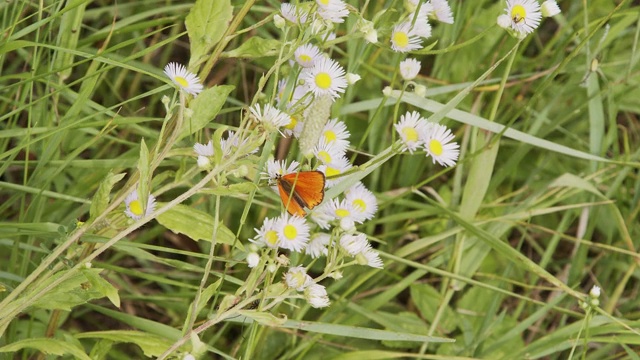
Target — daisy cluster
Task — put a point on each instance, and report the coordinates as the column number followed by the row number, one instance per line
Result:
column 330, row 228
column 412, row 29
column 522, row 17
column 416, row 132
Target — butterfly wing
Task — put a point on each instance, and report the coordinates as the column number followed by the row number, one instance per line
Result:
column 300, row 190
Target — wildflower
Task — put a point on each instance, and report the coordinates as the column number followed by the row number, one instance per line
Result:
column 370, row 257
column 335, row 132
column 352, row 78
column 524, row 15
column 595, row 292
column 403, row 39
column 363, row 200
column 318, row 245
column 277, row 168
column 316, row 295
column 321, row 216
column 293, row 13
column 326, row 77
column 549, row 8
column 354, row 244
column 332, row 10
column 187, row 81
column 253, row 259
column 341, row 209
column 306, row 55
column 232, row 143
column 297, row 278
column 420, row 26
column 337, row 167
column 412, row 128
column 442, row 11
column 328, row 153
column 293, row 232
column 203, row 152
column 134, row 206
column 270, row 116
column 438, row 144
column 267, row 234
column 368, row 30
column 409, row 68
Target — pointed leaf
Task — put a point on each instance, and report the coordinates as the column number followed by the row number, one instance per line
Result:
column 100, row 200
column 206, row 24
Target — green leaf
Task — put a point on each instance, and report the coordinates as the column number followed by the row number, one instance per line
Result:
column 68, row 34
column 428, row 300
column 196, row 224
column 206, row 24
column 151, row 345
column 255, row 47
column 103, row 286
column 264, row 318
column 233, row 189
column 46, row 346
column 144, row 167
column 343, row 330
column 205, row 108
column 100, row 200
column 75, row 290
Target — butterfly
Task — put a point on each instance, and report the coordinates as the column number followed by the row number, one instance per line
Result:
column 300, row 190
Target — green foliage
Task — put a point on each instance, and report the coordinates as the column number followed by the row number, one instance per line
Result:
column 493, row 258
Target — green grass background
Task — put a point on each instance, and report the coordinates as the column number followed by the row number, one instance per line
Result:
column 497, row 253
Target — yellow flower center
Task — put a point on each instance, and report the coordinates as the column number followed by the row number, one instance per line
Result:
column 435, row 147
column 324, row 2
column 410, row 134
column 518, row 13
column 324, row 156
column 181, row 81
column 290, row 232
column 331, row 172
column 323, row 80
column 293, row 123
column 136, row 208
column 330, row 135
column 360, row 204
column 305, row 58
column 401, row 39
column 271, row 237
column 342, row 213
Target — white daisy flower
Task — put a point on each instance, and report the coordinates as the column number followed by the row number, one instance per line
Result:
column 321, row 216
column 412, row 5
column 442, row 11
column 293, row 97
column 297, row 278
column 326, row 77
column 267, row 234
column 253, row 259
column 134, row 206
column 337, row 167
column 343, row 209
column 276, row 168
column 421, row 26
column 270, row 116
column 549, row 8
column 232, row 143
column 317, row 246
column 437, row 143
column 370, row 257
column 335, row 132
column 328, row 154
column 403, row 39
column 293, row 13
column 504, row 21
column 293, row 232
column 412, row 128
column 295, row 127
column 204, row 152
column 187, row 81
column 524, row 14
column 409, row 68
column 306, row 55
column 354, row 244
column 362, row 200
column 332, row 10
column 316, row 295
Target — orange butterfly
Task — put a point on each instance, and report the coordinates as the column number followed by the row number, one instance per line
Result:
column 300, row 190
